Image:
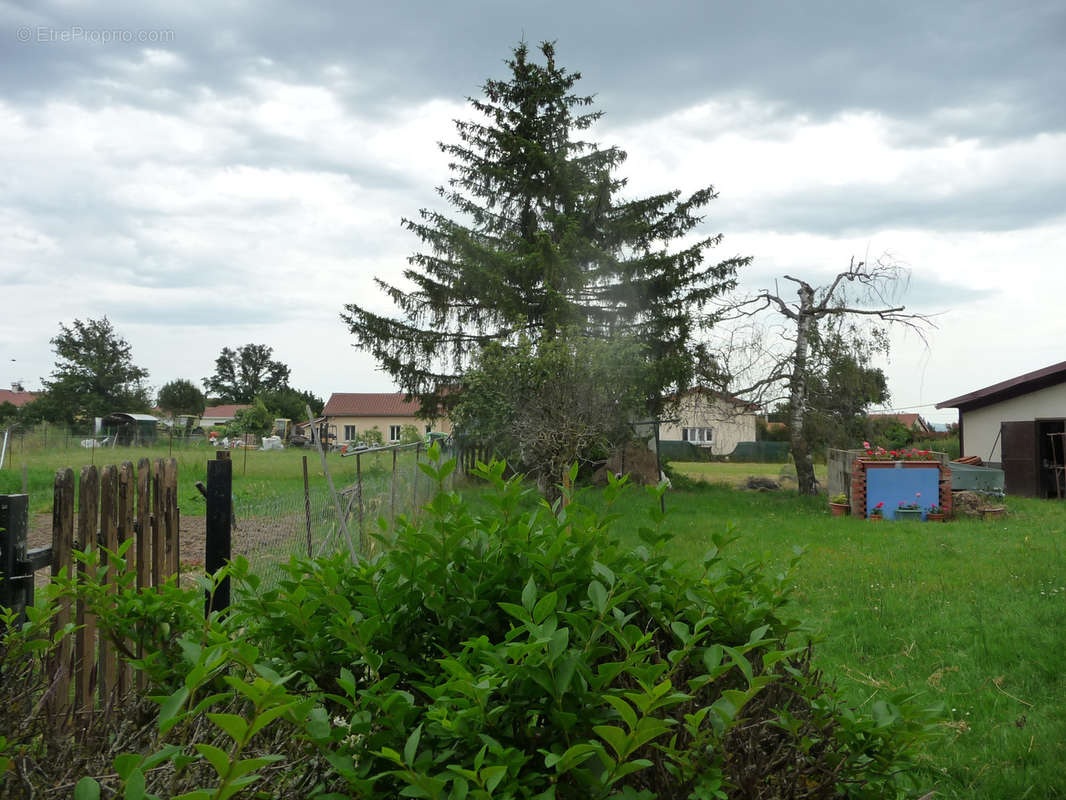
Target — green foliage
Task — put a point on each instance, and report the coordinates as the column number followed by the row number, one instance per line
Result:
column 288, row 403
column 941, row 444
column 254, row 419
column 542, row 242
column 409, row 434
column 544, row 407
column 891, row 435
column 243, row 374
column 9, row 414
column 516, row 653
column 94, row 375
column 842, row 384
column 181, row 397
column 372, row 437
column 680, row 480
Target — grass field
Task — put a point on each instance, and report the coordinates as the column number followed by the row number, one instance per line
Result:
column 256, row 474
column 969, row 614
column 736, row 474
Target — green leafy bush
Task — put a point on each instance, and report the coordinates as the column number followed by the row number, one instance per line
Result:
column 518, row 653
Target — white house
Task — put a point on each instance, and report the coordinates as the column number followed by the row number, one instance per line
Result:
column 351, row 414
column 709, row 419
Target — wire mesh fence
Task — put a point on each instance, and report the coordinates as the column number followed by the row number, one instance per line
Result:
column 384, row 483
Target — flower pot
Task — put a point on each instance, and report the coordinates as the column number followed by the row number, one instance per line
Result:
column 908, row 515
column 994, row 513
column 840, row 509
column 875, row 518
column 935, row 517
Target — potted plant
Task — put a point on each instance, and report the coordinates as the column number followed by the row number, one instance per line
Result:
column 838, row 504
column 935, row 513
column 877, row 513
column 909, row 511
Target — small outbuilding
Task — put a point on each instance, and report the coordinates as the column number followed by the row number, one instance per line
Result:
column 1020, row 426
column 131, row 429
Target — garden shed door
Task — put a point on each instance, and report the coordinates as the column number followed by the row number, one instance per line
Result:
column 1018, row 446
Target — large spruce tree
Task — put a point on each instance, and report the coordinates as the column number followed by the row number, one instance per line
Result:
column 542, row 242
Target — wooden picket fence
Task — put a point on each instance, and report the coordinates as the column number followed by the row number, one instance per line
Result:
column 115, row 505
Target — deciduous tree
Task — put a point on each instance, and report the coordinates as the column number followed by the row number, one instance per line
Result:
column 181, row 397
column 863, row 291
column 567, row 401
column 243, row 374
column 94, row 374
column 288, row 403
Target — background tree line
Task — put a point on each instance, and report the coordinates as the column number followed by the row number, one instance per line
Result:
column 95, row 375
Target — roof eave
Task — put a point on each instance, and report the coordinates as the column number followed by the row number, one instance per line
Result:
column 1005, row 390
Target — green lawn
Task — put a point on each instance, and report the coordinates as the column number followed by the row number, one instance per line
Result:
column 256, row 474
column 969, row 614
column 736, row 474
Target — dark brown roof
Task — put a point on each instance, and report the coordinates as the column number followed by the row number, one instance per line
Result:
column 1004, row 390
column 370, row 404
column 18, row 399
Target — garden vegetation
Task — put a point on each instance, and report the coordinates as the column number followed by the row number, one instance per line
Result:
column 503, row 649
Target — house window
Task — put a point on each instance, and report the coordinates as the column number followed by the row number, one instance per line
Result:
column 429, row 429
column 702, row 436
column 349, row 433
column 394, row 433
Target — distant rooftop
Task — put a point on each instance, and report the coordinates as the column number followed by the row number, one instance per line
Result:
column 370, row 404
column 18, row 399
column 224, row 411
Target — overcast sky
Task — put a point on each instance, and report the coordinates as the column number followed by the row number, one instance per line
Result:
column 236, row 172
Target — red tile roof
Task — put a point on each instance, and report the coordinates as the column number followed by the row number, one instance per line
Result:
column 909, row 421
column 370, row 404
column 18, row 399
column 224, row 411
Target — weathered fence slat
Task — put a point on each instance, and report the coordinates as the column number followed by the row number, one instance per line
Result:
column 85, row 637
column 109, row 538
column 114, row 505
column 172, row 559
column 143, row 526
column 144, row 540
column 126, row 508
column 158, row 545
column 62, row 564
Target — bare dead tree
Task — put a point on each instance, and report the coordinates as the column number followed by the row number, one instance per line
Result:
column 862, row 290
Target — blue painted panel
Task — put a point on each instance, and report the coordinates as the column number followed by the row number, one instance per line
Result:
column 891, row 485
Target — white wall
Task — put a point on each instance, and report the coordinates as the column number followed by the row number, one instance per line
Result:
column 730, row 423
column 980, row 428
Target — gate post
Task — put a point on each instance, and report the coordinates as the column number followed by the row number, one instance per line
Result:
column 219, row 523
column 16, row 588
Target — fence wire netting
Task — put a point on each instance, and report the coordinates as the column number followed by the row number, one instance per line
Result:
column 377, row 486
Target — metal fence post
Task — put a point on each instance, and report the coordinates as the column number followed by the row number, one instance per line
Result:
column 219, row 521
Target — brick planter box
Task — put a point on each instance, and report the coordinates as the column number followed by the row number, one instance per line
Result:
column 861, row 467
